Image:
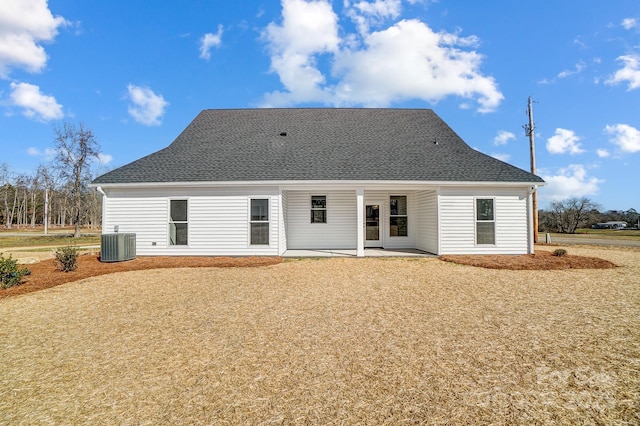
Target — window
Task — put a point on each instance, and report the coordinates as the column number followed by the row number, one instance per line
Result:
column 259, row 222
column 178, row 224
column 485, row 221
column 398, row 222
column 318, row 209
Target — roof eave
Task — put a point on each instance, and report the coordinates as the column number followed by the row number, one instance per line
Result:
column 302, row 184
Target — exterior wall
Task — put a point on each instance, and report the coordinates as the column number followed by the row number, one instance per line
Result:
column 440, row 220
column 338, row 233
column 218, row 220
column 427, row 221
column 457, row 221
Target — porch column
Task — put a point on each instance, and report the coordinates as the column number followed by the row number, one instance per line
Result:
column 530, row 231
column 360, row 222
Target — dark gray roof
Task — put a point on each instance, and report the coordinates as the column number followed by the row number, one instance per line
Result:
column 317, row 144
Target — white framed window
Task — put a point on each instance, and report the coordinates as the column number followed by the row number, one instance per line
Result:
column 318, row 209
column 398, row 218
column 485, row 221
column 178, row 223
column 259, row 221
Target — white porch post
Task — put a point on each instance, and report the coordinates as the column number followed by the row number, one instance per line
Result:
column 531, row 248
column 360, row 222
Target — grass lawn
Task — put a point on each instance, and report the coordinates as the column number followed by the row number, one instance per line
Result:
column 330, row 341
column 627, row 234
column 27, row 240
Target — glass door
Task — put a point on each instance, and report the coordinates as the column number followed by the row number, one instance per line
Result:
column 372, row 225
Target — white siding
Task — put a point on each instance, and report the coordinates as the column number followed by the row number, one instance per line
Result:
column 338, row 233
column 457, row 222
column 218, row 220
column 427, row 221
column 146, row 217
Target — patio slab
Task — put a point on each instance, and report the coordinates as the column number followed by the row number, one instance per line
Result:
column 369, row 252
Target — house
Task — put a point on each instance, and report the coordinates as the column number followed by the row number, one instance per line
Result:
column 264, row 181
column 610, row 225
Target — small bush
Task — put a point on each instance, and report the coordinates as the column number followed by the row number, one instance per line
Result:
column 67, row 258
column 559, row 252
column 10, row 274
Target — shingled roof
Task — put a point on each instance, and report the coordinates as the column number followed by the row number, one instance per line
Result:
column 317, row 144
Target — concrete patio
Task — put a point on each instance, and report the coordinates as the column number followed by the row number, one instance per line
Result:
column 368, row 252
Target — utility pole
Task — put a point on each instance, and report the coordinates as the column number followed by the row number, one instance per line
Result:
column 530, row 131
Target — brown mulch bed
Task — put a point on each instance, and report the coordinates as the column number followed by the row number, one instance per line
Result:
column 45, row 274
column 542, row 260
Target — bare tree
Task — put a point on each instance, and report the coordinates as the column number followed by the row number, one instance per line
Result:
column 75, row 148
column 45, row 179
column 33, row 194
column 568, row 215
column 22, row 204
column 9, row 196
column 5, row 191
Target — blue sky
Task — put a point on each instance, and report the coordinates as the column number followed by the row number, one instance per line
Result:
column 137, row 72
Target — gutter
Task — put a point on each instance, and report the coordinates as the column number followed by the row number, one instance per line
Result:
column 315, row 183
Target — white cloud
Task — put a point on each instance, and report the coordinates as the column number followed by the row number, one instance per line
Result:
column 381, row 8
column 104, row 158
column 24, row 24
column 35, row 104
column 501, row 157
column 49, row 153
column 407, row 60
column 208, row 41
column 308, row 29
column 630, row 72
column 569, row 182
column 410, row 61
column 564, row 141
column 503, row 137
column 603, row 153
column 147, row 108
column 629, row 23
column 580, row 66
column 366, row 14
column 625, row 136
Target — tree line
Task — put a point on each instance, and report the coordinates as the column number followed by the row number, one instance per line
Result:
column 56, row 194
column 567, row 216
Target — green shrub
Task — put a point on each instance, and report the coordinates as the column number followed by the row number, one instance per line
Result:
column 67, row 258
column 10, row 274
column 559, row 252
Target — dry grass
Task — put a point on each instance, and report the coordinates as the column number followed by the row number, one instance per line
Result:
column 46, row 274
column 334, row 341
